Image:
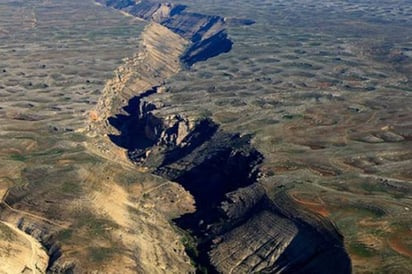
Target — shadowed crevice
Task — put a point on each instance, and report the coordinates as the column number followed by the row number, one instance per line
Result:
column 207, row 33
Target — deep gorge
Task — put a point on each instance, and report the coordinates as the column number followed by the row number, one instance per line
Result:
column 221, row 171
column 238, row 226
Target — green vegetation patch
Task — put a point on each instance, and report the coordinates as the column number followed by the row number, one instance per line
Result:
column 362, row 250
column 292, row 116
column 100, row 254
column 6, row 233
column 71, row 188
column 18, row 157
column 64, row 235
column 190, row 244
column 373, row 187
column 49, row 153
column 95, row 226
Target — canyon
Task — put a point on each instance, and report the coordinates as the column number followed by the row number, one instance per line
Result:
column 229, row 138
column 211, row 163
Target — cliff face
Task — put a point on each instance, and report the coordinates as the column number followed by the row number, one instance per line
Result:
column 238, row 226
column 173, row 38
column 271, row 235
column 156, row 60
column 206, row 33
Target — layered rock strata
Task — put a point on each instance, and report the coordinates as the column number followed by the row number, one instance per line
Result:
column 206, row 33
column 238, row 226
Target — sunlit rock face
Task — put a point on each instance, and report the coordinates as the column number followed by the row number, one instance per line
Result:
column 205, row 32
column 237, row 225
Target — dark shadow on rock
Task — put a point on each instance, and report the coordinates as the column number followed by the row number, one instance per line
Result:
column 312, row 252
column 202, row 133
column 132, row 125
column 207, row 33
column 220, row 165
column 207, row 48
column 220, row 170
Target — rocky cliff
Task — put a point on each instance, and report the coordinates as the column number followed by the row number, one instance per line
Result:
column 238, row 226
column 206, row 33
column 172, row 39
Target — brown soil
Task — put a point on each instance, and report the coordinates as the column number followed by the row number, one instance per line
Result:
column 316, row 207
column 399, row 247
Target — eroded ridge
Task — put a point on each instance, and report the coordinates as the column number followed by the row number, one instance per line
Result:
column 173, row 39
column 238, row 226
column 206, row 33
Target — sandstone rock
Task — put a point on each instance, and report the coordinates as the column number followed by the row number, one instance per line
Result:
column 239, row 227
column 238, row 203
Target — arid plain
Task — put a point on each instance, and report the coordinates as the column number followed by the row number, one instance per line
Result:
column 322, row 89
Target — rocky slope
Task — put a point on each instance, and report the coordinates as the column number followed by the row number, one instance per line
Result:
column 307, row 119
column 237, row 226
column 20, row 253
column 206, row 33
column 173, row 38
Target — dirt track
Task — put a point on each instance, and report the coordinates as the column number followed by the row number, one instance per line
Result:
column 38, row 259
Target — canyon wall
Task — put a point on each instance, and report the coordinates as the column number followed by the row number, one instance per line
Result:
column 238, row 226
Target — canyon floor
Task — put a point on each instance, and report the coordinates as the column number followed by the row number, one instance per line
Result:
column 303, row 130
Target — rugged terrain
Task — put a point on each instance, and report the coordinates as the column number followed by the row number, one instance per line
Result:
column 84, row 210
column 210, row 163
column 234, row 138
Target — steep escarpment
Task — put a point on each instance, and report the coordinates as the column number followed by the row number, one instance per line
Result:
column 173, row 39
column 20, row 253
column 156, row 60
column 271, row 235
column 238, row 225
column 39, row 232
column 206, row 33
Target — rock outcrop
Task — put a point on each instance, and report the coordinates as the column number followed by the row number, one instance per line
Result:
column 173, row 39
column 238, row 227
column 269, row 235
column 206, row 33
column 156, row 60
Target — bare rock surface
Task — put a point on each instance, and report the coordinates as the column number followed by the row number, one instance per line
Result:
column 237, row 227
column 294, row 144
column 205, row 32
